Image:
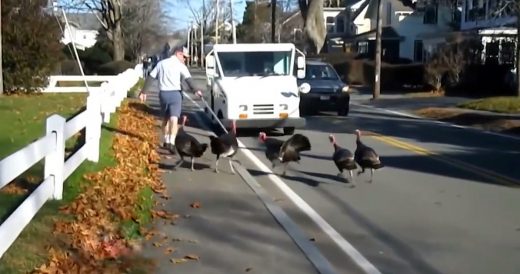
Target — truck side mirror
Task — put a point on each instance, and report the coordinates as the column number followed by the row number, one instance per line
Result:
column 300, row 64
column 210, row 65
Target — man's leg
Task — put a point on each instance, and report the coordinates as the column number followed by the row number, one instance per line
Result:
column 173, row 128
column 166, row 131
column 163, row 101
column 175, row 112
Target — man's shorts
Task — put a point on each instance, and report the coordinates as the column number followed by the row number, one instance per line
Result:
column 171, row 103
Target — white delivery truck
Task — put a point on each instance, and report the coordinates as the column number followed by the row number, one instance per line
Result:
column 255, row 85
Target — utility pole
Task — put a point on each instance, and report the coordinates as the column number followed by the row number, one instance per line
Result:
column 188, row 44
column 273, row 21
column 233, row 28
column 377, row 61
column 216, row 24
column 202, row 22
column 1, row 58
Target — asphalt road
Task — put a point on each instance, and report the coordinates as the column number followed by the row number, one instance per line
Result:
column 446, row 202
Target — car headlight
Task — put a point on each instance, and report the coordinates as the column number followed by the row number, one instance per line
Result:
column 345, row 89
column 284, row 107
column 243, row 107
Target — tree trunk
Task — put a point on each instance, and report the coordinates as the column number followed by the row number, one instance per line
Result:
column 273, row 21
column 118, row 42
column 517, row 49
column 1, row 58
column 377, row 66
column 314, row 24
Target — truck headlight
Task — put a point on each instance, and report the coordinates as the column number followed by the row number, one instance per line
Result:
column 284, row 107
column 242, row 107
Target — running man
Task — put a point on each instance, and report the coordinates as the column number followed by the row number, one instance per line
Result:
column 170, row 73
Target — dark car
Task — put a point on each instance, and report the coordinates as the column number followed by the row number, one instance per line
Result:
column 327, row 92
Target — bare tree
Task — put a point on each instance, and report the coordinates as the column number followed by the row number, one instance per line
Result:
column 445, row 66
column 109, row 14
column 206, row 16
column 314, row 23
column 143, row 25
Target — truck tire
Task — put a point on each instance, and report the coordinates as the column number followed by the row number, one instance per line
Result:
column 343, row 105
column 288, row 130
column 306, row 108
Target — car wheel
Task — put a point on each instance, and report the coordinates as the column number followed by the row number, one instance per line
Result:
column 288, row 130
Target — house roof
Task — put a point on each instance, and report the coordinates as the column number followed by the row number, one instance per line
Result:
column 397, row 6
column 388, row 33
column 360, row 6
column 85, row 21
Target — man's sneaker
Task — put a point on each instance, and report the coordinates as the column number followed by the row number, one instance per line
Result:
column 165, row 145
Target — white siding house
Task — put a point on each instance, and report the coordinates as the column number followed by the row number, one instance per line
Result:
column 495, row 26
column 411, row 32
column 83, row 38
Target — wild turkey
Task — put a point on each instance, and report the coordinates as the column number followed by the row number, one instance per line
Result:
column 272, row 148
column 343, row 158
column 226, row 145
column 366, row 157
column 285, row 151
column 187, row 145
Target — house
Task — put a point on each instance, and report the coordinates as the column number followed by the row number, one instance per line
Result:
column 336, row 24
column 494, row 24
column 412, row 31
column 83, row 28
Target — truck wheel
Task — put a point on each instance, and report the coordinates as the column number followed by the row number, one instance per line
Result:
column 306, row 109
column 288, row 130
column 343, row 110
column 343, row 106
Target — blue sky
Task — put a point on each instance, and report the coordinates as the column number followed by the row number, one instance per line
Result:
column 183, row 15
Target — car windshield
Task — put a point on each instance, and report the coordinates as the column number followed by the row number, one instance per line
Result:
column 237, row 64
column 320, row 72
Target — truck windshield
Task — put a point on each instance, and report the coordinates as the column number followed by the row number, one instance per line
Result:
column 237, row 64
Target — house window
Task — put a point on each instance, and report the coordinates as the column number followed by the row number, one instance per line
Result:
column 418, row 51
column 362, row 47
column 330, row 24
column 340, row 24
column 430, row 13
column 388, row 13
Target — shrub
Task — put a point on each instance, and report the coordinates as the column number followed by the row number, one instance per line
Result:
column 92, row 58
column 70, row 67
column 31, row 47
column 115, row 67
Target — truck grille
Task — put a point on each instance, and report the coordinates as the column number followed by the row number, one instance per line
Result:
column 263, row 109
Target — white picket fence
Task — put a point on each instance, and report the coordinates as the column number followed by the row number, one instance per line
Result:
column 101, row 102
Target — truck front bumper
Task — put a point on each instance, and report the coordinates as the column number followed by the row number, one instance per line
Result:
column 266, row 123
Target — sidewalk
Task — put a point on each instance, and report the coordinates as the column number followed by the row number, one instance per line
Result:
column 222, row 227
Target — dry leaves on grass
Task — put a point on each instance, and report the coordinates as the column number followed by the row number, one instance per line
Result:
column 501, row 124
column 93, row 236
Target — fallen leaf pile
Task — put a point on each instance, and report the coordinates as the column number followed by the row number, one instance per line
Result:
column 92, row 236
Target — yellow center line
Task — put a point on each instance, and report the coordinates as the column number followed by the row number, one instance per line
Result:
column 487, row 174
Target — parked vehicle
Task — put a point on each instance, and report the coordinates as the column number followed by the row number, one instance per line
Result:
column 255, row 85
column 327, row 89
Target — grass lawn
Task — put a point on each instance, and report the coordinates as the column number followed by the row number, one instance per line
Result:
column 24, row 121
column 30, row 250
column 495, row 104
column 78, row 83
